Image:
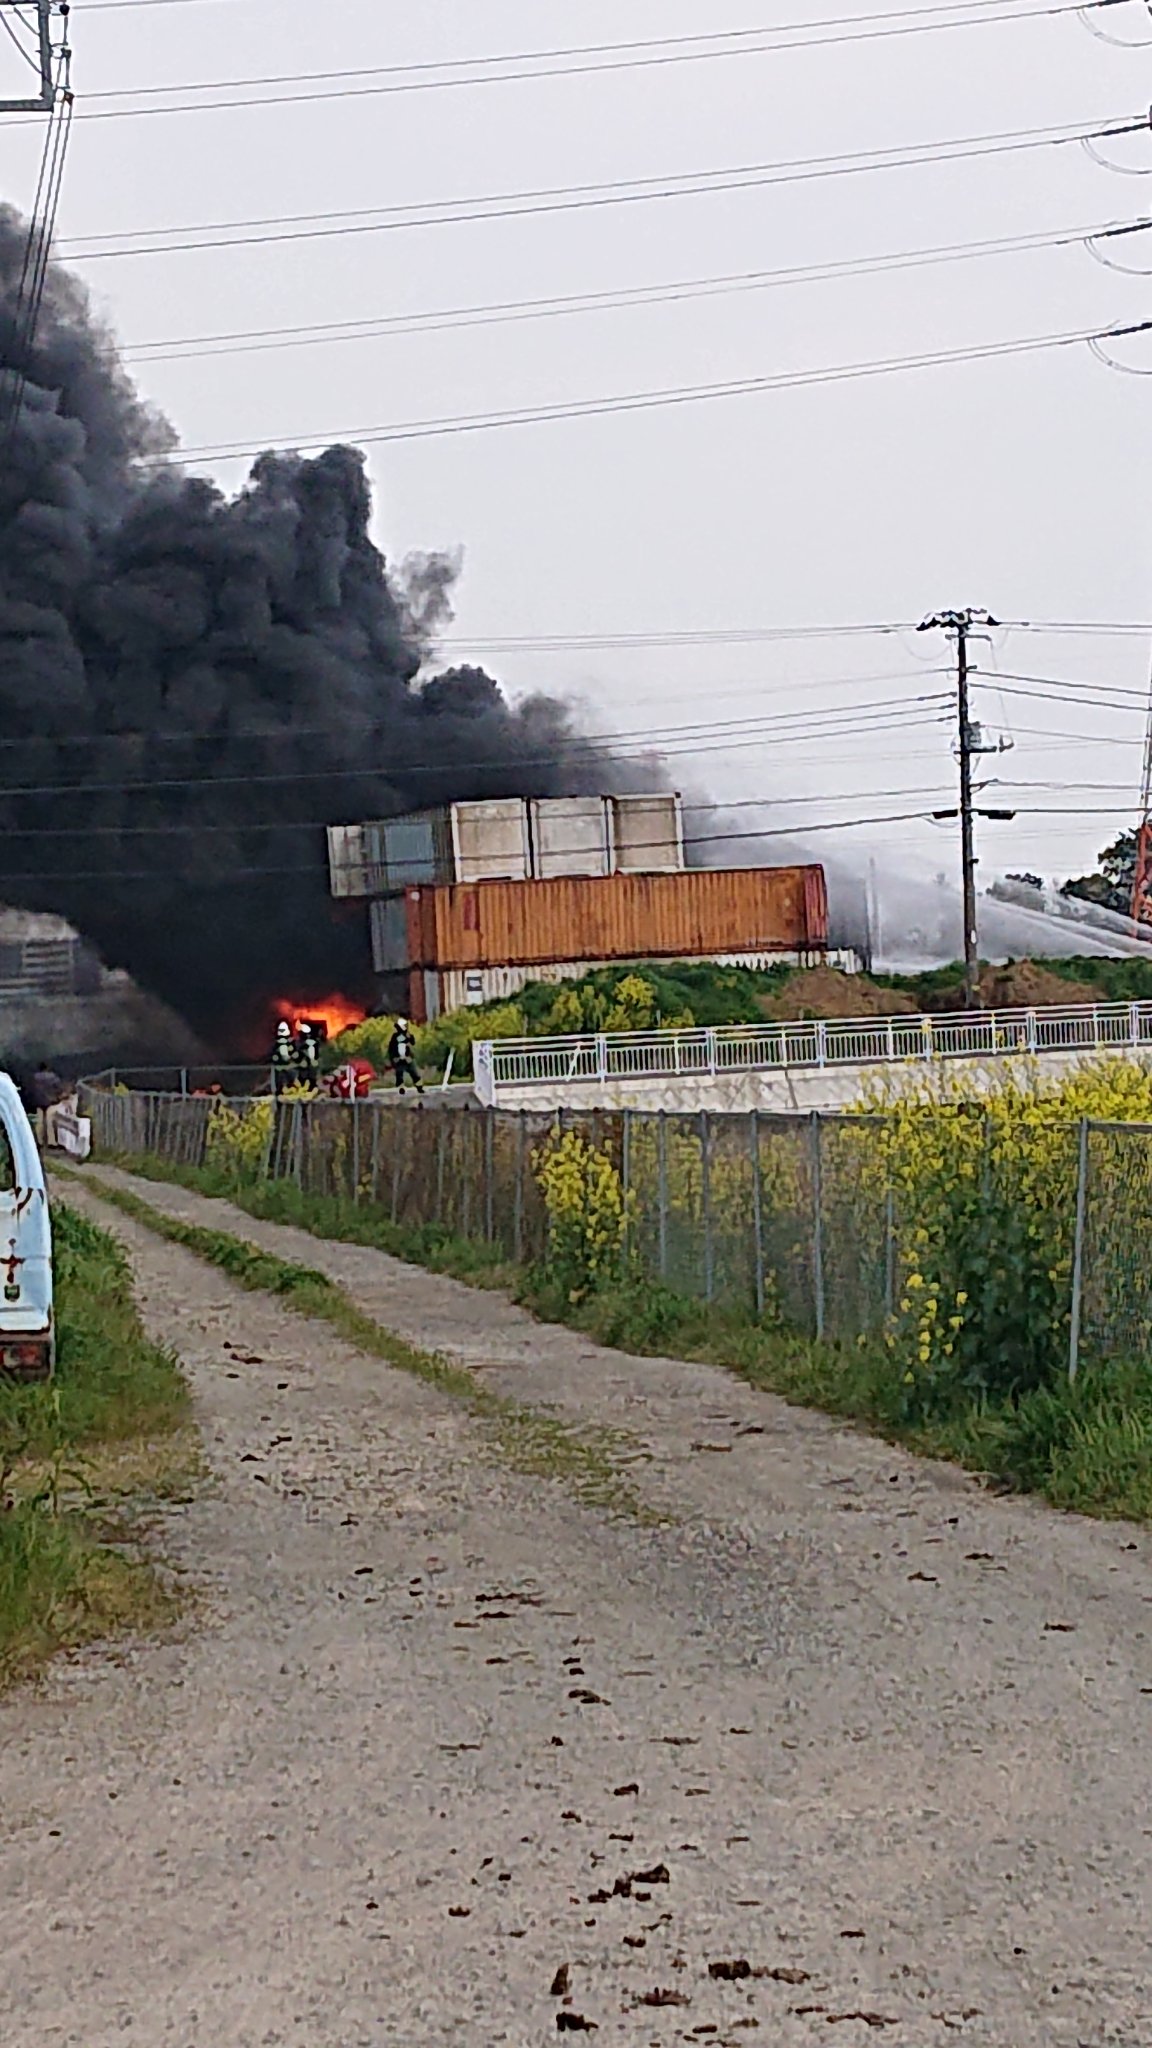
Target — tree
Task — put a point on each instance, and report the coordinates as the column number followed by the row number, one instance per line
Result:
column 1112, row 883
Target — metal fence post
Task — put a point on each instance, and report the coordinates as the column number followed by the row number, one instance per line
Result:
column 395, row 1165
column 489, row 1174
column 818, row 1222
column 890, row 1253
column 518, row 1204
column 706, row 1204
column 376, row 1115
column 441, row 1143
column 757, row 1212
column 1078, row 1253
column 626, row 1179
column 662, row 1189
column 356, row 1149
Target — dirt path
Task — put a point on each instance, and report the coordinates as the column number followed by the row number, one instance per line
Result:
column 437, row 1730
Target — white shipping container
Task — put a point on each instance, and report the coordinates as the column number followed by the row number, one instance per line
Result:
column 349, row 865
column 490, row 841
column 648, row 834
column 572, row 835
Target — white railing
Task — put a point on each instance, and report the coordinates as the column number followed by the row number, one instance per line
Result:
column 508, row 1063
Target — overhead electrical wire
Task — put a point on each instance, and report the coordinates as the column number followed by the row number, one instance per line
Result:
column 382, row 772
column 192, row 348
column 322, row 824
column 802, row 826
column 629, row 402
column 182, row 736
column 605, row 59
column 577, row 198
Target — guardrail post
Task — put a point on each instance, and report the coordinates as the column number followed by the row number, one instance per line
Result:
column 662, row 1189
column 817, row 1221
column 925, row 1038
column 1078, row 1253
column 757, row 1211
column 1031, row 1022
column 706, row 1204
column 184, row 1081
column 710, row 1047
column 891, row 1039
column 1134, row 1022
column 821, row 1043
column 1095, row 1027
column 601, row 1057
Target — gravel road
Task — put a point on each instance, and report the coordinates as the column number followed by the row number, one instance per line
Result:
column 845, row 1751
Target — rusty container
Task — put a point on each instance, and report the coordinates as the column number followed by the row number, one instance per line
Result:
column 699, row 914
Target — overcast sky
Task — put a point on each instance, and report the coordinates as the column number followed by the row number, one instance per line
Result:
column 1019, row 484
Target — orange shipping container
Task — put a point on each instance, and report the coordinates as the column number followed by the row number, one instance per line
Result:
column 618, row 917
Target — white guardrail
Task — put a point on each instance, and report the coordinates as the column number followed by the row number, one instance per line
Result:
column 504, row 1064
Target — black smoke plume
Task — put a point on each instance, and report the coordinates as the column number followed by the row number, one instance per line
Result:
column 189, row 683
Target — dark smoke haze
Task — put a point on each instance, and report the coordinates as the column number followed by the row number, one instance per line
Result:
column 249, row 664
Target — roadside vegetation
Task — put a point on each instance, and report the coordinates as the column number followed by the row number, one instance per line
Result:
column 971, row 1363
column 80, row 1455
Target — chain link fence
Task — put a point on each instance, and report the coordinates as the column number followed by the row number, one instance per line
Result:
column 768, row 1214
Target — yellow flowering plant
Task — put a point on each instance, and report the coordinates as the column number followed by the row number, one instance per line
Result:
column 239, row 1138
column 588, row 1212
column 985, row 1200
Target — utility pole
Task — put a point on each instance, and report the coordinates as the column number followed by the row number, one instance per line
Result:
column 970, row 741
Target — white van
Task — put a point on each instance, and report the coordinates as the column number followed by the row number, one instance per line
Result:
column 27, row 1327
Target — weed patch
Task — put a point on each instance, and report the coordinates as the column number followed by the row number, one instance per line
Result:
column 65, row 1579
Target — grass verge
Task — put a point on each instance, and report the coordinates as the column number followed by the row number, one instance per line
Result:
column 1086, row 1448
column 111, row 1427
column 587, row 1461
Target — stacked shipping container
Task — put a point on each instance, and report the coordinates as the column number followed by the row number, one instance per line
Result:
column 468, row 943
column 473, row 900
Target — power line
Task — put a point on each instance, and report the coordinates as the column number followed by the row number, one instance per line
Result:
column 640, row 747
column 637, row 401
column 577, row 198
column 183, row 736
column 275, row 825
column 607, row 59
column 500, row 312
column 233, row 873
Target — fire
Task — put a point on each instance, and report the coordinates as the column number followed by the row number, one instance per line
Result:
column 336, row 1011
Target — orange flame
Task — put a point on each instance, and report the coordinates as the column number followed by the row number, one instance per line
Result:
column 336, row 1011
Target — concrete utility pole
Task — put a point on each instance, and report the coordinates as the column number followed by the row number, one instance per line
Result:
column 970, row 741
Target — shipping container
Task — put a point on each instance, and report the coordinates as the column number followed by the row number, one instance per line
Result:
column 491, row 842
column 507, row 839
column 348, row 869
column 571, row 835
column 703, row 913
column 649, row 834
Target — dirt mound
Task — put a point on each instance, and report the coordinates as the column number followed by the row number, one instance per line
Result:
column 1022, row 985
column 827, row 992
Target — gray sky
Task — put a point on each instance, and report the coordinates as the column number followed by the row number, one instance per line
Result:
column 1019, row 484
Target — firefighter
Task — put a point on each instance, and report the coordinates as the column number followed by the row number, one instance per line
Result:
column 283, row 1057
column 307, row 1056
column 401, row 1047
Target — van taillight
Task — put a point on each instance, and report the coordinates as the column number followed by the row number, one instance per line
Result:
column 13, row 1357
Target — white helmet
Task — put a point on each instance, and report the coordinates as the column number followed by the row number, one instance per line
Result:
column 283, row 1029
